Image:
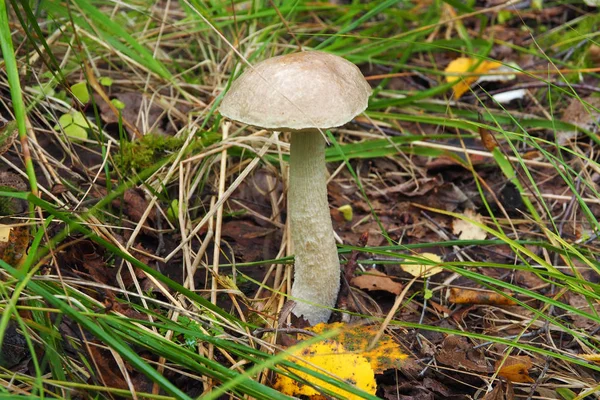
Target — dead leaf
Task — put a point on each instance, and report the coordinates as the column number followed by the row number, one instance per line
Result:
column 457, row 352
column 459, row 69
column 375, row 280
column 487, row 138
column 134, row 105
column 14, row 246
column 498, row 393
column 410, row 188
column 109, row 371
column 581, row 303
column 424, row 270
column 331, row 356
column 515, row 369
column 449, row 197
column 356, row 339
column 581, row 115
column 468, row 296
column 133, row 204
column 4, row 233
column 591, row 357
column 467, row 230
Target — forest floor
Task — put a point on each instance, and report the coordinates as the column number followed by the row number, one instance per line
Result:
column 144, row 240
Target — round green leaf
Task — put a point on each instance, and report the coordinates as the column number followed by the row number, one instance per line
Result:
column 76, row 132
column 106, row 81
column 119, row 105
column 64, row 121
column 80, row 119
column 80, row 91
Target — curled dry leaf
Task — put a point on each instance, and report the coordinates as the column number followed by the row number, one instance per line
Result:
column 591, row 357
column 460, row 69
column 423, row 270
column 375, row 280
column 469, row 296
column 467, row 230
column 515, row 369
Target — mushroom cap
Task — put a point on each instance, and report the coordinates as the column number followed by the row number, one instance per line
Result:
column 298, row 91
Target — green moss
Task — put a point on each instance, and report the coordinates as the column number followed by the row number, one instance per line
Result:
column 148, row 150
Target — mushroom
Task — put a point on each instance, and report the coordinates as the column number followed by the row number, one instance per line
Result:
column 304, row 93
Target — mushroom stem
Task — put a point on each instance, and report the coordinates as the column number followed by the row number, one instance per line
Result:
column 317, row 266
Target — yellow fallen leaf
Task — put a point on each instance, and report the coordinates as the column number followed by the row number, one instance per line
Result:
column 346, row 211
column 386, row 354
column 458, row 68
column 332, row 357
column 591, row 357
column 467, row 230
column 423, row 271
column 4, row 232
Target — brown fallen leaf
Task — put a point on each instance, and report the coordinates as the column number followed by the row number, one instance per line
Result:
column 375, row 280
column 411, row 188
column 108, row 370
column 468, row 296
column 487, row 138
column 515, row 369
column 499, row 393
column 580, row 115
column 496, row 394
column 457, row 352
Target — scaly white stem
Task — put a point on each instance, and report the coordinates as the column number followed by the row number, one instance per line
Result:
column 317, row 266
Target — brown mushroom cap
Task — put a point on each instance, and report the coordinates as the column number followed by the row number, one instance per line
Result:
column 298, row 91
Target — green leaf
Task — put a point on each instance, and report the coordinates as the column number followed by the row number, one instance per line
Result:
column 64, row 121
column 106, row 81
column 76, row 132
column 173, row 211
column 81, row 92
column 119, row 105
column 566, row 393
column 80, row 119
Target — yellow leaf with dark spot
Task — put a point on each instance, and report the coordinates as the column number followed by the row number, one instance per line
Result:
column 329, row 356
column 386, row 354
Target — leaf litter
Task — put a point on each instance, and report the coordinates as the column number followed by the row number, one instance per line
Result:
column 447, row 171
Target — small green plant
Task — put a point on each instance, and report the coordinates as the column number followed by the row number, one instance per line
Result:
column 74, row 124
column 81, row 92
